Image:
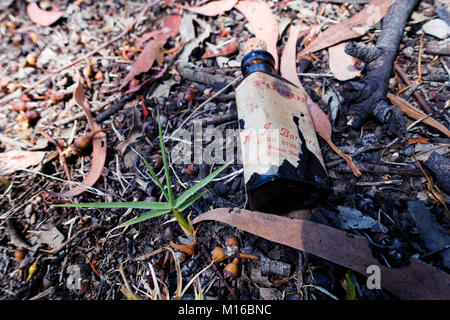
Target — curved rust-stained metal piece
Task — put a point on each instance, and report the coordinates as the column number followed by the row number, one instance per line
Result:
column 99, row 147
column 418, row 280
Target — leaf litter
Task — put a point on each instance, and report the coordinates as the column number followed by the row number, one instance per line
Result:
column 161, row 40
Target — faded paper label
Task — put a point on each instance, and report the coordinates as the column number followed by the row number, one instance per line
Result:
column 274, row 124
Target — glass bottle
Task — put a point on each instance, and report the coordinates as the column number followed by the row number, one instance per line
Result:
column 283, row 165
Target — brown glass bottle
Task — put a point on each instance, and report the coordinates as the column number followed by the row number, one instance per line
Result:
column 283, row 165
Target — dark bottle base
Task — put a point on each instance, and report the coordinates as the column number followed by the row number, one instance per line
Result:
column 285, row 195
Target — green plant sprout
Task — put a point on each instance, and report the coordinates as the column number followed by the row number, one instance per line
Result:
column 176, row 206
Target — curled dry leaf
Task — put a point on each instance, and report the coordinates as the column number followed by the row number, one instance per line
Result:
column 288, row 69
column 188, row 249
column 341, row 64
column 417, row 280
column 43, row 17
column 416, row 114
column 263, row 23
column 214, row 8
column 354, row 27
column 98, row 149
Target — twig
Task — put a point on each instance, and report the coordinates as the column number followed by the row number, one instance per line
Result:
column 314, row 75
column 219, row 274
column 87, row 188
column 371, row 168
column 65, row 243
column 62, row 157
column 417, row 95
column 10, row 141
column 378, row 183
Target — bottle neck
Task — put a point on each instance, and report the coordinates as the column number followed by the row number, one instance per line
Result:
column 257, row 60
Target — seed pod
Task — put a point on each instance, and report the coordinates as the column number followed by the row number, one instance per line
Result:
column 80, row 144
column 10, row 25
column 34, row 36
column 232, row 241
column 157, row 161
column 219, row 255
column 4, row 84
column 232, row 247
column 31, row 270
column 98, row 76
column 30, row 61
column 191, row 93
column 190, row 169
column 231, row 269
column 19, row 254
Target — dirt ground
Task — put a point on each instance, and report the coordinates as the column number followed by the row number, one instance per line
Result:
column 94, row 261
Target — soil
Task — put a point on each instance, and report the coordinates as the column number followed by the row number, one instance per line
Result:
column 95, row 263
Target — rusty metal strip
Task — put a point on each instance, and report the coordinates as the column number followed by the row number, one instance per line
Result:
column 418, row 280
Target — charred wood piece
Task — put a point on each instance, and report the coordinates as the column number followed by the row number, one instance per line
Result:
column 366, row 97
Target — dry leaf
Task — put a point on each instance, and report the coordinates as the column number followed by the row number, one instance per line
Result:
column 354, row 27
column 43, row 17
column 262, row 22
column 226, row 50
column 417, row 140
column 341, row 64
column 288, row 69
column 418, row 280
column 416, row 114
column 145, row 60
column 194, row 42
column 99, row 146
column 145, row 37
column 214, row 8
column 12, row 161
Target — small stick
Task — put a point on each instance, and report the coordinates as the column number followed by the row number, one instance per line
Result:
column 65, row 243
column 419, row 98
column 62, row 157
column 219, row 274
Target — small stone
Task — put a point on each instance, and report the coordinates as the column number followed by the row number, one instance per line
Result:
column 270, row 294
column 274, row 254
column 221, row 188
column 27, row 210
column 163, row 120
column 437, row 28
column 168, row 234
